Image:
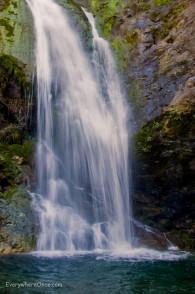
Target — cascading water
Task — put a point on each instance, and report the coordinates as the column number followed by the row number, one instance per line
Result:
column 82, row 152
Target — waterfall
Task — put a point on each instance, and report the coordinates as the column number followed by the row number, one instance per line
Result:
column 82, row 151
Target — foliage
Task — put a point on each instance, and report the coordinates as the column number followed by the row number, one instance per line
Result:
column 106, row 12
column 162, row 2
column 164, row 132
column 10, row 67
column 4, row 4
column 4, row 22
column 145, row 137
column 168, row 20
column 12, row 158
column 11, row 134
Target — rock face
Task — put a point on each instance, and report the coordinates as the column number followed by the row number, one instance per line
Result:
column 154, row 43
column 165, row 186
column 17, row 222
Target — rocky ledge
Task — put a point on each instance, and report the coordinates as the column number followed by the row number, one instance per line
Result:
column 165, row 187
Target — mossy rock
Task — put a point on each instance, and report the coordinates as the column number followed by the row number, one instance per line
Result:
column 168, row 19
column 15, row 87
column 12, row 159
column 17, row 223
column 165, row 151
column 172, row 125
column 11, row 69
column 4, row 4
column 16, row 33
column 183, row 239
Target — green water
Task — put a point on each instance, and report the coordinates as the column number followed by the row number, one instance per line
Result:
column 92, row 274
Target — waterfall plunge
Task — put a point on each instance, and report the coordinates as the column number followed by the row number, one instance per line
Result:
column 82, row 153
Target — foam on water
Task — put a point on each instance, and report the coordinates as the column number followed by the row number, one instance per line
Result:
column 133, row 255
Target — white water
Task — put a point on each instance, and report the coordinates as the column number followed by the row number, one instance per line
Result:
column 82, row 154
column 132, row 255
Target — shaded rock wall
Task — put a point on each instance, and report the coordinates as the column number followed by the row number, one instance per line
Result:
column 164, row 187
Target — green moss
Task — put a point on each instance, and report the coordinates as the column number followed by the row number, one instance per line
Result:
column 4, row 4
column 18, row 223
column 11, row 134
column 25, row 150
column 162, row 2
column 139, row 5
column 4, row 22
column 16, row 33
column 123, row 47
column 106, row 12
column 9, row 194
column 11, row 68
column 10, row 172
column 121, row 50
column 145, row 137
column 174, row 127
column 169, row 21
column 12, row 158
column 132, row 38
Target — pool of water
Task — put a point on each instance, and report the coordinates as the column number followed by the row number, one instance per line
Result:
column 98, row 273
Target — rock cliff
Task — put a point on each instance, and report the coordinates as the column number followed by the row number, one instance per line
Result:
column 154, row 44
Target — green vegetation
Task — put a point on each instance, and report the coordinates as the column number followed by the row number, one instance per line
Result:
column 11, row 68
column 169, row 20
column 16, row 36
column 12, row 158
column 14, row 151
column 4, row 22
column 106, row 12
column 145, row 137
column 163, row 134
column 162, row 2
column 11, row 134
column 4, row 4
column 122, row 47
column 24, row 151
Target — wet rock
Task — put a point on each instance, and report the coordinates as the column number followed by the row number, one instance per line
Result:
column 17, row 229
column 165, row 149
column 149, row 237
column 190, row 82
